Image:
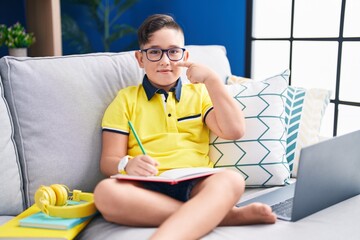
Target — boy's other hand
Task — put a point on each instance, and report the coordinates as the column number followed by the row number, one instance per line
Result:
column 197, row 73
column 142, row 165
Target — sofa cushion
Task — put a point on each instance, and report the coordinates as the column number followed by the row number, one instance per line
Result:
column 57, row 104
column 11, row 197
column 305, row 109
column 337, row 222
column 260, row 154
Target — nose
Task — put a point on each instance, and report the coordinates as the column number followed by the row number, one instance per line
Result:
column 164, row 60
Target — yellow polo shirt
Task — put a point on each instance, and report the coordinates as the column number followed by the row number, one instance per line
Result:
column 171, row 126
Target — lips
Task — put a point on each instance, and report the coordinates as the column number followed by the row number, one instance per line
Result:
column 164, row 70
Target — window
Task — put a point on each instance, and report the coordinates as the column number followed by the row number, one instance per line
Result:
column 319, row 41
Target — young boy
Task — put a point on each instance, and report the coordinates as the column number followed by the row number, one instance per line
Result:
column 173, row 121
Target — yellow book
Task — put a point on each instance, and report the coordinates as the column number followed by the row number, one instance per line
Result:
column 11, row 229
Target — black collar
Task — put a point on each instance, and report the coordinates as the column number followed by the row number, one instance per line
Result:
column 150, row 90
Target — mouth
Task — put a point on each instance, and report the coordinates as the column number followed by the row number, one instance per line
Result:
column 164, row 70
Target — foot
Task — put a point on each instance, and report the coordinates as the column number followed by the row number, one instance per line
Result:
column 255, row 213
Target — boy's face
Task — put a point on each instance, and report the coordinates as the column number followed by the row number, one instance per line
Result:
column 163, row 73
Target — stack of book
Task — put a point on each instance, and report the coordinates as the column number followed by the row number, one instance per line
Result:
column 32, row 223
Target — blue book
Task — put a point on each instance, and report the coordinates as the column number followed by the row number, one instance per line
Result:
column 42, row 220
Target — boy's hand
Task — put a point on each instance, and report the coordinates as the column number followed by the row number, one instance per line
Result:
column 197, row 73
column 142, row 165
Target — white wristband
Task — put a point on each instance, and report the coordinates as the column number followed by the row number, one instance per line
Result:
column 122, row 164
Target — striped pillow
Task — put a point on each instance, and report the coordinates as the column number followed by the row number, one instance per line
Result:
column 304, row 109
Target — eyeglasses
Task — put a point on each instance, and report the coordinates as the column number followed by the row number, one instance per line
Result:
column 155, row 54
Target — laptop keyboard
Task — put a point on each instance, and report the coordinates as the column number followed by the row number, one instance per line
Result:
column 283, row 208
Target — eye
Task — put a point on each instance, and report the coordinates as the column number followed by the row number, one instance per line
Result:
column 154, row 51
column 174, row 51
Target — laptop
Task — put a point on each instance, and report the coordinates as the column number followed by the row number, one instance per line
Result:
column 328, row 173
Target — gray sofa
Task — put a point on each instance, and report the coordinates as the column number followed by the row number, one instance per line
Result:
column 50, row 115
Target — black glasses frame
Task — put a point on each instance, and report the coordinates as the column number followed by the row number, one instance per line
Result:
column 162, row 53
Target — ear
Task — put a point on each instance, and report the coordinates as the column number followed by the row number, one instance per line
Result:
column 139, row 58
column 186, row 56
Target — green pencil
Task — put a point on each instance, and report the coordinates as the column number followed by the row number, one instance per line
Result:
column 137, row 138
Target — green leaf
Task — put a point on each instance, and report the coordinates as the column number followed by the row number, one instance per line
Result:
column 15, row 36
column 120, row 31
column 105, row 15
column 72, row 33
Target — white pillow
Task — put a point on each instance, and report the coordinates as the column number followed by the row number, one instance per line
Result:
column 261, row 154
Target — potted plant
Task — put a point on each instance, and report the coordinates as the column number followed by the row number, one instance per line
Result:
column 16, row 39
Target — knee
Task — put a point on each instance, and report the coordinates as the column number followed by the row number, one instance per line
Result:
column 101, row 190
column 234, row 182
column 112, row 198
column 103, row 196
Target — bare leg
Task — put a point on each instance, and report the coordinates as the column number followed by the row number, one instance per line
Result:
column 212, row 204
column 129, row 204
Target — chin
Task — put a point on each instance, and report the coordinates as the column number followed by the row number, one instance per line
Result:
column 167, row 80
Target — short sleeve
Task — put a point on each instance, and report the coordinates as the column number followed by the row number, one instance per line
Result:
column 207, row 105
column 117, row 114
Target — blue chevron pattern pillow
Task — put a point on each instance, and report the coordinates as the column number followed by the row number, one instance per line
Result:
column 261, row 154
column 304, row 109
column 293, row 108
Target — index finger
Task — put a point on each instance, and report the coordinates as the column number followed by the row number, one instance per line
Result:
column 184, row 64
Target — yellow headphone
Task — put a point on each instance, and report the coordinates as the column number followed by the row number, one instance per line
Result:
column 53, row 202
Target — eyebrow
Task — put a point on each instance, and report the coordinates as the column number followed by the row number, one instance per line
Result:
column 171, row 46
